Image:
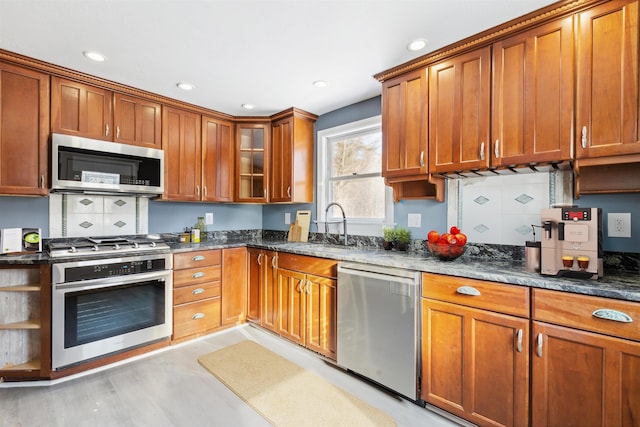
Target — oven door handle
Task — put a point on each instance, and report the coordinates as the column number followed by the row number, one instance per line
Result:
column 161, row 276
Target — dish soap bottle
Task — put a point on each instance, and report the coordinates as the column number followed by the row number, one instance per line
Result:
column 200, row 225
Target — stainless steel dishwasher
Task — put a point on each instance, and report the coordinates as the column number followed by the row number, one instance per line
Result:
column 378, row 325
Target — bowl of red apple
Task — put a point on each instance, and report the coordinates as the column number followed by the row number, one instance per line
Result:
column 446, row 246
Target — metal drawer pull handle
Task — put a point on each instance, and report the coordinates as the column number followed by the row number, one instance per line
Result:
column 197, row 275
column 274, row 262
column 197, row 291
column 540, row 345
column 198, row 316
column 519, row 346
column 197, row 258
column 468, row 290
column 609, row 314
column 482, row 151
column 584, row 137
column 259, row 259
column 496, row 149
column 422, row 159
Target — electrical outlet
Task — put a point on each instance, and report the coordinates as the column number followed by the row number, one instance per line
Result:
column 619, row 225
column 287, row 218
column 414, row 220
column 208, row 218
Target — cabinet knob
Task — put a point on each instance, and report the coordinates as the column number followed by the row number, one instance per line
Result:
column 468, row 290
column 540, row 341
column 482, row 151
column 610, row 314
column 519, row 343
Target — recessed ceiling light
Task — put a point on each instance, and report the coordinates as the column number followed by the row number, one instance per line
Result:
column 185, row 86
column 417, row 44
column 248, row 106
column 94, row 56
column 320, row 83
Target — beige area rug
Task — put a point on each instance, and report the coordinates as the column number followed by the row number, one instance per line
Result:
column 286, row 394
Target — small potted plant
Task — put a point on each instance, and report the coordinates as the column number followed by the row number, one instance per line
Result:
column 388, row 236
column 403, row 237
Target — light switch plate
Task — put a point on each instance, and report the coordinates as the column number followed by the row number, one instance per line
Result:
column 414, row 220
column 287, row 218
column 208, row 218
column 619, row 224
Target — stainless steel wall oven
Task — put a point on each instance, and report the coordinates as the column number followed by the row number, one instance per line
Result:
column 103, row 306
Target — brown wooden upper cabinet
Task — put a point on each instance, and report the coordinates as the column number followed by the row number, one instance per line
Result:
column 137, row 121
column 607, row 115
column 24, row 131
column 252, row 162
column 532, row 109
column 291, row 179
column 404, row 126
column 218, row 160
column 181, row 139
column 459, row 103
column 91, row 112
column 81, row 110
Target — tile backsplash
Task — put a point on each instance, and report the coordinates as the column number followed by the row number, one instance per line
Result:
column 502, row 209
column 79, row 215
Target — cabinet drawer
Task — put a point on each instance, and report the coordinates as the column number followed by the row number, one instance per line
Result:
column 192, row 276
column 196, row 258
column 582, row 311
column 196, row 317
column 196, row 292
column 497, row 297
column 307, row 264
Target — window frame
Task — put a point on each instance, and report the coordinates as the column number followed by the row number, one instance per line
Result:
column 355, row 226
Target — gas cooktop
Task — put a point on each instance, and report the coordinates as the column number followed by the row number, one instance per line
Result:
column 116, row 246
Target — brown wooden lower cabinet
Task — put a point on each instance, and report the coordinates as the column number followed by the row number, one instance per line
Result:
column 475, row 363
column 234, row 285
column 475, row 349
column 197, row 291
column 580, row 377
column 307, row 302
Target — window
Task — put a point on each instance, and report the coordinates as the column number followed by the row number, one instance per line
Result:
column 350, row 173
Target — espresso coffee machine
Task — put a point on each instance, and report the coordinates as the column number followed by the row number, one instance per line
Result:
column 571, row 242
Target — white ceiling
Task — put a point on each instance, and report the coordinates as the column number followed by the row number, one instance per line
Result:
column 263, row 52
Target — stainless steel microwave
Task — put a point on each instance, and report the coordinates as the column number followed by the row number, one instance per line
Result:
column 103, row 167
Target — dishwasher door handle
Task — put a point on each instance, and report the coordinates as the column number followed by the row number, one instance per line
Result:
column 375, row 276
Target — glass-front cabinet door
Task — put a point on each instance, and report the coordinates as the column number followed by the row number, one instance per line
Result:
column 252, row 162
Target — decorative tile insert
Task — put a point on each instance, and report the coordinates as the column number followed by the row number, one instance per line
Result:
column 501, row 209
column 73, row 215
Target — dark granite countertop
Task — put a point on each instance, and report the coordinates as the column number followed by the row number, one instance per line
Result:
column 615, row 283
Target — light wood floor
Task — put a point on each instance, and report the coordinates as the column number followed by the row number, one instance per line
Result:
column 170, row 388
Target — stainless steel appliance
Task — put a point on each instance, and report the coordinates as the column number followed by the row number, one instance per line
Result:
column 87, row 165
column 106, row 305
column 571, row 243
column 378, row 325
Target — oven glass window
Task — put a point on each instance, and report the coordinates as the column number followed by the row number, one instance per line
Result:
column 104, row 313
